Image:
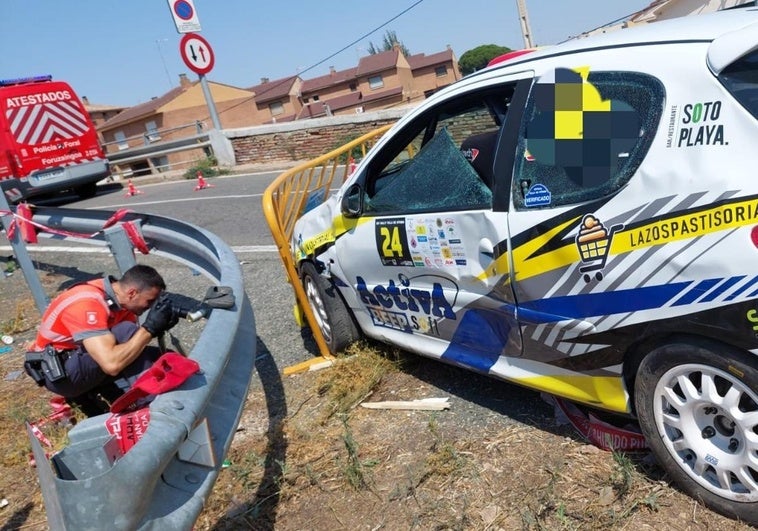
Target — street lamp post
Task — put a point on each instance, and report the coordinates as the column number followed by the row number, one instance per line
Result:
column 163, row 60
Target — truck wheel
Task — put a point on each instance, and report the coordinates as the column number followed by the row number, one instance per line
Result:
column 697, row 403
column 332, row 314
column 86, row 191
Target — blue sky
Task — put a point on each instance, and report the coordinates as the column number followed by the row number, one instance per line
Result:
column 125, row 52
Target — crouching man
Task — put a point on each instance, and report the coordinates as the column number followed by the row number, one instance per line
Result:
column 90, row 347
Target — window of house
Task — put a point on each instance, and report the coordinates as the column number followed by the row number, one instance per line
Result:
column 353, row 87
column 429, row 168
column 375, row 82
column 276, row 108
column 120, row 137
column 315, row 98
column 440, row 71
column 152, row 131
column 606, row 125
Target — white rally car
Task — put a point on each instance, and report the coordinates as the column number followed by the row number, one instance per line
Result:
column 581, row 220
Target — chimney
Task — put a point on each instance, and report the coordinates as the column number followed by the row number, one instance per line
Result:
column 332, row 71
column 184, row 81
column 264, row 80
column 85, row 100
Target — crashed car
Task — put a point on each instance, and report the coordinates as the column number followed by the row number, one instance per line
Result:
column 581, row 220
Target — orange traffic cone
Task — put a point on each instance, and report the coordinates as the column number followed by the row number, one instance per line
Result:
column 132, row 190
column 201, row 184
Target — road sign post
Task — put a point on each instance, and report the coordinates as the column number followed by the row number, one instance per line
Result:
column 198, row 55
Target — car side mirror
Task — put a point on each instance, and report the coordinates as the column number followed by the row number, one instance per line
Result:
column 352, row 201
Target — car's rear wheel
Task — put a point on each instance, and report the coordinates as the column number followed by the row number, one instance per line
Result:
column 697, row 403
column 332, row 314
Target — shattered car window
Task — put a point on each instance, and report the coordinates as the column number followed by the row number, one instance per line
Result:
column 438, row 178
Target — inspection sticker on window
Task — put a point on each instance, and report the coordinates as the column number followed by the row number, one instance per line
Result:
column 538, row 195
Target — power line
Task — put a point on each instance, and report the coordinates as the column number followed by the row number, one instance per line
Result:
column 322, row 61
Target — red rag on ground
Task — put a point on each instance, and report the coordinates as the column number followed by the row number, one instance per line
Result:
column 168, row 372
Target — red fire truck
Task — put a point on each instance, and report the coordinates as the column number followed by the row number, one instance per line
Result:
column 47, row 140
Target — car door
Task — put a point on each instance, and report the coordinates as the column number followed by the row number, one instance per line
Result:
column 583, row 136
column 421, row 258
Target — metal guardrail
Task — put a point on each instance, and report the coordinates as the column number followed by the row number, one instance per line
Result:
column 159, row 148
column 150, row 487
column 149, row 137
column 284, row 201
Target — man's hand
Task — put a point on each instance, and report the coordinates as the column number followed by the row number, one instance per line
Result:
column 161, row 316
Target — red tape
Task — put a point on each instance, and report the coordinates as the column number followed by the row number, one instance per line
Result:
column 135, row 236
column 22, row 221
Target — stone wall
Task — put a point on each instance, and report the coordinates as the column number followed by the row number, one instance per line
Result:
column 306, row 139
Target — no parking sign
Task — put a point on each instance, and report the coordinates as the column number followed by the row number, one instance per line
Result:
column 185, row 16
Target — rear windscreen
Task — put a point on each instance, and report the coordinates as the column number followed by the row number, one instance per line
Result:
column 741, row 79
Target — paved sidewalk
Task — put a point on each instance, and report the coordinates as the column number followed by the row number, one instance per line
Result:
column 176, row 175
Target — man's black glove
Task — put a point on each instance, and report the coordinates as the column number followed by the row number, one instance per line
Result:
column 161, row 316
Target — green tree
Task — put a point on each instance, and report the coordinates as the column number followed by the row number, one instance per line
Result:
column 389, row 41
column 477, row 58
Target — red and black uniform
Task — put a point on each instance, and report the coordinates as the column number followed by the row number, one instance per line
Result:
column 83, row 311
column 86, row 310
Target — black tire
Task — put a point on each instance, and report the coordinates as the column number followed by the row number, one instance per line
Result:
column 334, row 318
column 86, row 191
column 697, row 404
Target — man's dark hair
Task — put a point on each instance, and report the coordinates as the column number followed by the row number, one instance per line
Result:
column 143, row 277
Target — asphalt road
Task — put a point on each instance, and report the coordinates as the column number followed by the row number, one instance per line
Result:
column 232, row 210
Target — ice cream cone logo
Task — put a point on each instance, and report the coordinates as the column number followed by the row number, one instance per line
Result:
column 594, row 241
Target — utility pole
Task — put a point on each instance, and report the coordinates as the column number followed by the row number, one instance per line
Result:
column 526, row 30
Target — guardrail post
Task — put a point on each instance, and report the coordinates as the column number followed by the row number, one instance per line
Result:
column 121, row 247
column 22, row 257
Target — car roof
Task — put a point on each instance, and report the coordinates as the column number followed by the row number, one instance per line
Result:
column 702, row 28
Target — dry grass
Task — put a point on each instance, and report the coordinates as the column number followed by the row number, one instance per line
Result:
column 352, row 468
column 323, row 463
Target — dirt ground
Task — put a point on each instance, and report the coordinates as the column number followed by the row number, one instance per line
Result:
column 307, row 457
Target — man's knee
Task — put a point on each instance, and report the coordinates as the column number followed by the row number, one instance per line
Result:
column 124, row 331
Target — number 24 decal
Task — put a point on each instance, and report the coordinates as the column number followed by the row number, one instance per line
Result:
column 392, row 245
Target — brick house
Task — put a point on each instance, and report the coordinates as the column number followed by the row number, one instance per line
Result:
column 99, row 114
column 278, row 100
column 433, row 72
column 179, row 113
column 379, row 81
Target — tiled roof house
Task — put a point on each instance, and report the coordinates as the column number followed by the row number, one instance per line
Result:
column 178, row 113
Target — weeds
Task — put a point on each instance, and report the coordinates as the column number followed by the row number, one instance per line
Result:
column 21, row 321
column 355, row 469
column 351, row 379
column 622, row 477
column 444, row 459
column 208, row 167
